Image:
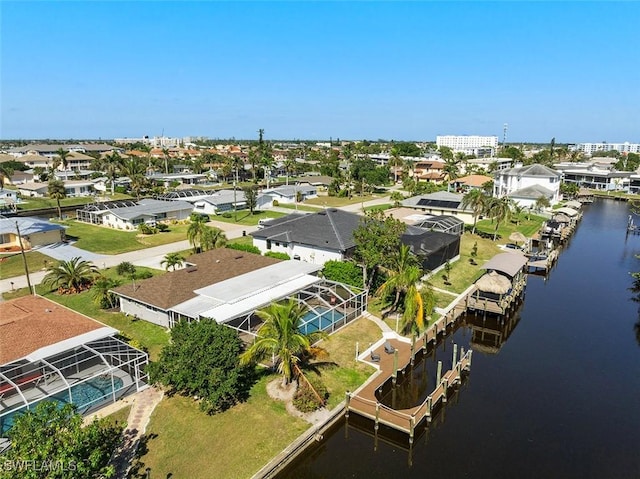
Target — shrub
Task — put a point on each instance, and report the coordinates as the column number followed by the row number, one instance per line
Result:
column 125, row 268
column 306, row 399
column 275, row 254
column 226, row 214
column 276, row 203
column 145, row 229
column 343, row 272
column 249, row 248
column 162, row 227
column 144, row 274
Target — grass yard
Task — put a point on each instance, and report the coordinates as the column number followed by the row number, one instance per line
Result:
column 246, row 240
column 384, row 207
column 29, row 204
column 299, row 206
column 11, row 266
column 334, row 201
column 262, row 425
column 527, row 227
column 103, row 240
column 246, row 218
column 186, row 442
column 463, row 273
column 120, row 416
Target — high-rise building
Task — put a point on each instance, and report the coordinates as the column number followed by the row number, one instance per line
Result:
column 465, row 142
column 594, row 148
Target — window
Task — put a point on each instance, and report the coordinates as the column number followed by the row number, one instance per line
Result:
column 268, row 244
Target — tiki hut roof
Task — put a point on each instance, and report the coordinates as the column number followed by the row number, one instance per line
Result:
column 576, row 205
column 508, row 263
column 561, row 218
column 518, row 237
column 570, row 212
column 493, row 282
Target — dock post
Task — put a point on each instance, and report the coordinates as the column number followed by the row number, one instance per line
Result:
column 429, row 407
column 439, row 374
column 470, row 352
column 348, row 402
column 395, row 367
column 412, row 425
column 413, row 348
column 455, row 354
column 376, row 425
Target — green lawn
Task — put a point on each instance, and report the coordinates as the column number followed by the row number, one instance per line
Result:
column 299, row 206
column 260, row 428
column 383, row 207
column 463, row 273
column 11, row 266
column 334, row 201
column 29, row 204
column 528, row 225
column 246, row 218
column 100, row 239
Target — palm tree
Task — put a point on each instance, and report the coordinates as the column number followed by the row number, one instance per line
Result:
column 403, row 272
column 395, row 161
column 499, row 209
column 280, row 337
column 57, row 192
column 62, row 155
column 542, row 203
column 289, row 164
column 172, row 260
column 135, row 171
column 102, row 294
column 212, row 238
column 5, row 174
column 71, row 276
column 111, row 166
column 477, row 201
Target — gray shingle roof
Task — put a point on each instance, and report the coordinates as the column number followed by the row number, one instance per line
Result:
column 532, row 192
column 328, row 229
column 150, row 207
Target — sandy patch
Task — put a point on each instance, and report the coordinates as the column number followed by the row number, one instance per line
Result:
column 280, row 392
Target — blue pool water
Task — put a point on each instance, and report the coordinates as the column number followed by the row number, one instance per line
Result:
column 83, row 395
column 313, row 322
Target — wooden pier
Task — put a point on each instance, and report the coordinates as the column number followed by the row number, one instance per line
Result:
column 366, row 404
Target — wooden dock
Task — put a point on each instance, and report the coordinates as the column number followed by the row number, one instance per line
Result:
column 365, row 402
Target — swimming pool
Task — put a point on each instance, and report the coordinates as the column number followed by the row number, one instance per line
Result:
column 312, row 321
column 83, row 395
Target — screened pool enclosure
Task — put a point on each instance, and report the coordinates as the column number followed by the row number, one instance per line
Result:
column 88, row 374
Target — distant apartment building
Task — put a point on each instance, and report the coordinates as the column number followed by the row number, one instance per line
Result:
column 155, row 142
column 479, row 146
column 594, row 148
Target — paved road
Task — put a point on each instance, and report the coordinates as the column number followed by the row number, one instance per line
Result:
column 149, row 257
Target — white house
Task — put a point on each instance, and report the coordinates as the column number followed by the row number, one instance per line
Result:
column 220, row 202
column 288, row 194
column 74, row 188
column 315, row 238
column 128, row 214
column 508, row 182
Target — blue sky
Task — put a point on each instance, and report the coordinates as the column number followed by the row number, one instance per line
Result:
column 362, row 70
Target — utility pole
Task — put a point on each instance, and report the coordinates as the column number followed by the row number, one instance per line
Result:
column 235, row 203
column 24, row 260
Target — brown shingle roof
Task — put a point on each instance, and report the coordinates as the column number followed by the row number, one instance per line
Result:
column 33, row 322
column 178, row 286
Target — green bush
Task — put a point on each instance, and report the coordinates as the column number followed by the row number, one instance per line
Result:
column 144, row 274
column 244, row 247
column 226, row 214
column 145, row 229
column 162, row 227
column 276, row 203
column 125, row 268
column 305, row 399
column 275, row 254
column 343, row 272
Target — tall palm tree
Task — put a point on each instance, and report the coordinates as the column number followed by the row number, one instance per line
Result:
column 499, row 209
column 134, row 169
column 5, row 174
column 402, row 272
column 71, row 276
column 289, row 164
column 477, row 201
column 280, row 337
column 57, row 192
column 172, row 260
column 62, row 155
column 111, row 166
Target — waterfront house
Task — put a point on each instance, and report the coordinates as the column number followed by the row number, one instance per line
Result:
column 49, row 352
column 469, row 182
column 512, row 181
column 440, row 203
column 228, row 286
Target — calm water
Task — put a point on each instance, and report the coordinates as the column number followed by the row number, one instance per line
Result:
column 560, row 398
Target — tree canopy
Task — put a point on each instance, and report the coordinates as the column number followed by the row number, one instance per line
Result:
column 50, row 442
column 203, row 360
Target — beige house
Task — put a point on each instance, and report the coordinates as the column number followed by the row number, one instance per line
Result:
column 34, row 233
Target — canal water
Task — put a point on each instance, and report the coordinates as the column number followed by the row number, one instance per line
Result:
column 558, row 398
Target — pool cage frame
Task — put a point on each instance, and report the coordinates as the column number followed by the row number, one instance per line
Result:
column 26, row 382
column 333, row 297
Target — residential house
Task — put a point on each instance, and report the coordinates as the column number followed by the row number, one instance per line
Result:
column 509, row 182
column 431, row 171
column 440, row 203
column 32, row 189
column 34, row 232
column 469, row 182
column 221, row 201
column 129, row 214
column 49, row 352
column 76, row 188
column 8, row 199
column 292, row 193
